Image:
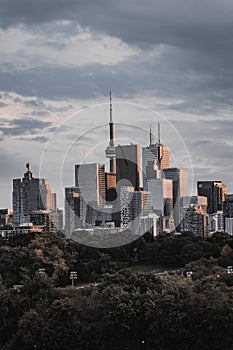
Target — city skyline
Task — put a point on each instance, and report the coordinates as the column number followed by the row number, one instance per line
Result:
column 171, row 58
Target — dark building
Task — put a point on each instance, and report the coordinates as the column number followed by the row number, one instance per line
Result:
column 215, row 192
column 179, row 179
column 73, row 209
column 128, row 166
column 228, row 206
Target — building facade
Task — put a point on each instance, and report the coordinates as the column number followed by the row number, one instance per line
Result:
column 30, row 194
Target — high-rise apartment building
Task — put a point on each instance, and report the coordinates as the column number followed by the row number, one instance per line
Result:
column 128, row 166
column 30, row 194
column 215, row 192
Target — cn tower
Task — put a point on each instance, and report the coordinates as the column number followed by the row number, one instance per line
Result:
column 110, row 150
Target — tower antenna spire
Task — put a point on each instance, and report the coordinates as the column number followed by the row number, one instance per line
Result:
column 159, row 134
column 150, row 136
column 110, row 151
column 111, row 121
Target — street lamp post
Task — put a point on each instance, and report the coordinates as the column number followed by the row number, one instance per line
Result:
column 73, row 276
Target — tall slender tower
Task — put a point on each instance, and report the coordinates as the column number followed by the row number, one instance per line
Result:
column 110, row 150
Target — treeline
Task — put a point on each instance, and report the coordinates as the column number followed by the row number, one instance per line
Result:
column 123, row 309
column 22, row 257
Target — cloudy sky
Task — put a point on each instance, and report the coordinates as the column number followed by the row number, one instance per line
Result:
column 166, row 61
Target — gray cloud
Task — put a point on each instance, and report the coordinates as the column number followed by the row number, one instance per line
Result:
column 16, row 127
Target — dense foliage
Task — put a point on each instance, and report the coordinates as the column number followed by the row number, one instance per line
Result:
column 113, row 306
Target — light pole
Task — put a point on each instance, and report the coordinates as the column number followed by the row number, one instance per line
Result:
column 73, row 276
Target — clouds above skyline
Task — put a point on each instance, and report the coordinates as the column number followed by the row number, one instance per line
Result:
column 58, row 58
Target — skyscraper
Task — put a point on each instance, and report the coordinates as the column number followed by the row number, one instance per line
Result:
column 90, row 183
column 161, row 196
column 128, row 166
column 30, row 194
column 215, row 192
column 179, row 179
column 154, row 152
column 134, row 205
column 73, row 209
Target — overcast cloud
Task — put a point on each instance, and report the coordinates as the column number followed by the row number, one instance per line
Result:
column 60, row 57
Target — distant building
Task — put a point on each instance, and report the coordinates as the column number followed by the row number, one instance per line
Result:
column 5, row 216
column 30, row 194
column 9, row 231
column 215, row 192
column 46, row 219
column 150, row 223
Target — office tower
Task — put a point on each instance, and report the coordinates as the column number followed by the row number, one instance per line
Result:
column 140, row 207
column 128, row 166
column 29, row 194
column 179, row 179
column 134, row 205
column 5, row 216
column 154, row 152
column 161, row 196
column 215, row 192
column 110, row 151
column 73, row 210
column 90, row 183
column 228, row 213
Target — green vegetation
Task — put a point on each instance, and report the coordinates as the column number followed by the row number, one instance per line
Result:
column 131, row 297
